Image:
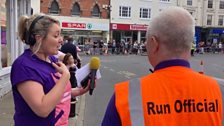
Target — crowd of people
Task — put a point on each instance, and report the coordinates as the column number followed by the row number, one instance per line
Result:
column 44, row 85
column 114, row 47
column 128, row 47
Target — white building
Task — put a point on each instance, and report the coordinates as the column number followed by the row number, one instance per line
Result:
column 209, row 17
column 35, row 5
column 11, row 48
column 129, row 19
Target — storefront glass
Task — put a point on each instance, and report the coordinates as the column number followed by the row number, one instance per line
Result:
column 143, row 36
column 3, row 30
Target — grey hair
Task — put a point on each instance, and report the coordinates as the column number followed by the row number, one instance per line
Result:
column 173, row 27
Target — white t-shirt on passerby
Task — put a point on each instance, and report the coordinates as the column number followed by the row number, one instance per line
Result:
column 220, row 45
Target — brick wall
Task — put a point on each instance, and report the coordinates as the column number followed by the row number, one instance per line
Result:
column 86, row 7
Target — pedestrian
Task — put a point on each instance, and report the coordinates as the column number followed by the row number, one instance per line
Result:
column 69, row 47
column 174, row 94
column 193, row 48
column 40, row 84
column 70, row 63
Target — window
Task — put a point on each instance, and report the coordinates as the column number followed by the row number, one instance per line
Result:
column 145, row 13
column 76, row 9
column 164, row 0
column 189, row 2
column 3, row 37
column 125, row 11
column 54, row 9
column 221, row 17
column 96, row 11
column 209, row 20
column 210, row 3
column 221, row 4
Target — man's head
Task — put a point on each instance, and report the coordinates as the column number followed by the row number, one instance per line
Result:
column 170, row 35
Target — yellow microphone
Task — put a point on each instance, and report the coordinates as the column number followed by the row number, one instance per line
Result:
column 94, row 65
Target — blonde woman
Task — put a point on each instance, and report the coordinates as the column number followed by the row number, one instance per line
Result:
column 40, row 84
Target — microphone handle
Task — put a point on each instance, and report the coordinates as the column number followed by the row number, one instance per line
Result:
column 92, row 81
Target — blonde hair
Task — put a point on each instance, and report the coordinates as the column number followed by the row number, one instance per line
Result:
column 41, row 28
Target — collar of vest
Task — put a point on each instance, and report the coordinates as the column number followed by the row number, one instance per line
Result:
column 173, row 62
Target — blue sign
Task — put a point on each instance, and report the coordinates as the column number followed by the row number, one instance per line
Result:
column 218, row 31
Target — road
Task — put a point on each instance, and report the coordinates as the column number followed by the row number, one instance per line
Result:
column 119, row 68
column 114, row 69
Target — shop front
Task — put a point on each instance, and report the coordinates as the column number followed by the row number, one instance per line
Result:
column 128, row 32
column 212, row 35
column 220, row 34
column 85, row 29
column 11, row 47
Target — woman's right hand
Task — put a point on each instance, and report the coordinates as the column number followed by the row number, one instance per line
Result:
column 61, row 68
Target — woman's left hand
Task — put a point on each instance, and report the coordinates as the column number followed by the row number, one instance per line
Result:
column 79, row 90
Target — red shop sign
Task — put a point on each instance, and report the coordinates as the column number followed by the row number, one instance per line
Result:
column 137, row 27
column 74, row 25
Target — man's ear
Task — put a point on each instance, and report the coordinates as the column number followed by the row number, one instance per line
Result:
column 154, row 44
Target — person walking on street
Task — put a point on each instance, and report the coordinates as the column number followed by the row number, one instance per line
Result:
column 40, row 84
column 174, row 94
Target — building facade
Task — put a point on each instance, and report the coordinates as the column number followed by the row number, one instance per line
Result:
column 209, row 17
column 129, row 20
column 11, row 47
column 83, row 19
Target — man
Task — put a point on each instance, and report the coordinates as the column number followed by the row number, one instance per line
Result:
column 174, row 95
column 193, row 48
column 69, row 47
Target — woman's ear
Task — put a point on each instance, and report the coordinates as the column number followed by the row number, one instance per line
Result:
column 38, row 38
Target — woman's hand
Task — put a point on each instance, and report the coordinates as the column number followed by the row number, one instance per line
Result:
column 79, row 90
column 61, row 68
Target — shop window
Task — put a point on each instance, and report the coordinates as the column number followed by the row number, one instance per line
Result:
column 221, row 17
column 143, row 36
column 189, row 2
column 76, row 9
column 164, row 0
column 125, row 11
column 54, row 9
column 3, row 30
column 96, row 11
column 145, row 13
column 221, row 4
column 210, row 3
column 209, row 20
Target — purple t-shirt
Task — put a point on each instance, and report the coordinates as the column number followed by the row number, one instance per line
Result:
column 29, row 67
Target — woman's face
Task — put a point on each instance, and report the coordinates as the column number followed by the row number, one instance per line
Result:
column 71, row 60
column 51, row 44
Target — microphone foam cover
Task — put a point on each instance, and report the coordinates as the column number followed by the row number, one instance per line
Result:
column 94, row 63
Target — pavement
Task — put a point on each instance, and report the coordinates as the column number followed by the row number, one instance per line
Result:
column 7, row 111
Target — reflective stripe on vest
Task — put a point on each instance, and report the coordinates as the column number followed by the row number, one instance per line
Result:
column 221, row 85
column 135, row 103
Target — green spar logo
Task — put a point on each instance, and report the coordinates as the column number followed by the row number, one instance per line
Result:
column 89, row 26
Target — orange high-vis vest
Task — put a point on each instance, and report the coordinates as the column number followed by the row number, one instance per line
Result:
column 173, row 96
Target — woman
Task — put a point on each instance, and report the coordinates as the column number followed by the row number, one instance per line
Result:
column 70, row 62
column 40, row 84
